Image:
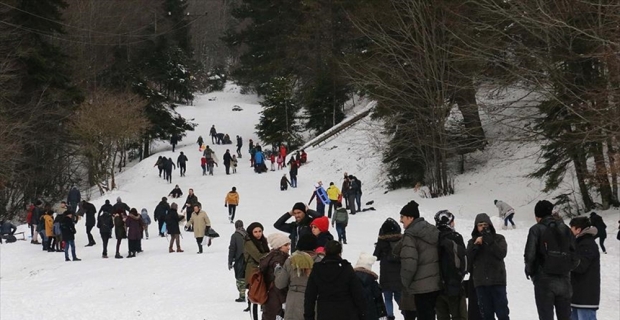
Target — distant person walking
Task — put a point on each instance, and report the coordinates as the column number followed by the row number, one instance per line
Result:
column 182, row 163
column 232, row 201
column 506, row 212
column 213, row 134
column 601, row 227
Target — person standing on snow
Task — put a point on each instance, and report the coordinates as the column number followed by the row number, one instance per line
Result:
column 90, row 211
column 182, row 163
column 389, row 277
column 282, row 153
column 320, row 205
column 200, row 142
column 189, row 205
column 375, row 307
column 213, row 134
column 586, row 278
column 232, row 201
column 340, row 221
column 67, row 226
column 486, row 251
column 601, row 227
column 303, row 217
column 227, row 159
column 254, row 249
column 284, row 183
column 120, row 205
column 105, row 223
column 201, row 224
column 146, row 220
column 506, row 212
column 293, row 173
column 134, row 232
column 106, row 207
column 280, row 245
column 346, row 185
column 172, row 220
column 161, row 210
column 235, row 258
column 120, row 232
column 169, row 166
column 356, row 192
column 234, row 163
column 74, row 198
column 334, row 195
column 239, row 145
column 173, row 141
column 161, row 165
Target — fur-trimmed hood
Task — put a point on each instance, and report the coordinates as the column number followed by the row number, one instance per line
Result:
column 366, row 271
column 391, row 237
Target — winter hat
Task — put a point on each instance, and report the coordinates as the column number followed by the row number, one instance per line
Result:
column 390, row 226
column 278, row 240
column 238, row 224
column 321, row 222
column 307, row 242
column 144, row 211
column 444, row 218
column 494, row 201
column 253, row 226
column 300, row 206
column 365, row 261
column 543, row 208
column 410, row 210
column 174, row 206
column 234, row 189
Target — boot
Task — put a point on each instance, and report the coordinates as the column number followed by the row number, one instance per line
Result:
column 180, row 250
column 170, row 250
column 209, row 242
column 104, row 256
column 77, row 259
column 118, row 256
column 240, row 299
column 199, row 248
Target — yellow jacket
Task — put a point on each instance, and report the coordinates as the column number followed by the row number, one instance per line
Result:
column 232, row 198
column 333, row 192
column 49, row 225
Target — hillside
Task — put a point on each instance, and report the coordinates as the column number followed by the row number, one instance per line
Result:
column 162, row 285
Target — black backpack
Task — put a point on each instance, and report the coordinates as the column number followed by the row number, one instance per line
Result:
column 557, row 257
column 105, row 223
column 452, row 263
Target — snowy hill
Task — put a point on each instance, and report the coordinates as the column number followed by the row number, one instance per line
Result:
column 162, row 285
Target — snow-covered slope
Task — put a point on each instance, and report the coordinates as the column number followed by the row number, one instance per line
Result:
column 162, row 285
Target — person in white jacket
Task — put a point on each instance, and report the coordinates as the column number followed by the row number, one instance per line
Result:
column 506, row 212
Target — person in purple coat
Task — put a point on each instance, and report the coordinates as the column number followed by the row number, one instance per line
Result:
column 134, row 231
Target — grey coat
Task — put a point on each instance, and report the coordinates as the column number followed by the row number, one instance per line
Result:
column 295, row 280
column 419, row 258
column 235, row 253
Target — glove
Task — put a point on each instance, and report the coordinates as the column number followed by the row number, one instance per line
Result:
column 225, row 205
column 230, row 266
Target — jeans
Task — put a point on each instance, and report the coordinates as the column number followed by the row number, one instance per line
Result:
column 293, row 181
column 232, row 209
column 160, row 224
column 493, row 300
column 104, row 238
column 342, row 233
column 509, row 218
column 70, row 243
column 358, row 200
column 425, row 304
column 146, row 231
column 583, row 314
column 320, row 207
column 204, row 169
column 550, row 293
column 387, row 296
column 332, row 205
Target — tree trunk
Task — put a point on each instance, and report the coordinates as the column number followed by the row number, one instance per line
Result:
column 146, row 147
column 613, row 168
column 581, row 171
column 602, row 175
column 466, row 101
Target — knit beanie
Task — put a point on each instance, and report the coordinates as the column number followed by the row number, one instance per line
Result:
column 543, row 208
column 307, row 242
column 365, row 261
column 300, row 206
column 321, row 222
column 410, row 210
column 443, row 218
column 277, row 240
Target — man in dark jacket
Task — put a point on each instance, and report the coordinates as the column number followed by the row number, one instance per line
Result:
column 181, row 163
column 389, row 276
column 227, row 159
column 451, row 301
column 235, row 258
column 37, row 212
column 89, row 210
column 120, row 205
column 486, row 251
column 168, row 169
column 355, row 191
column 105, row 224
column 213, row 134
column 550, row 290
column 299, row 227
column 601, row 227
column 346, row 186
column 67, row 227
column 586, row 277
column 74, row 198
column 176, row 192
column 160, row 214
column 189, row 206
column 106, row 207
column 239, row 145
column 419, row 260
column 173, row 141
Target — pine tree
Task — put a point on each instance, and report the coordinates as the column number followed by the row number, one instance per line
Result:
column 278, row 122
column 323, row 101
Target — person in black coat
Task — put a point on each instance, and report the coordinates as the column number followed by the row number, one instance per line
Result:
column 67, row 227
column 227, row 159
column 120, row 205
column 106, row 207
column 173, row 141
column 389, row 272
column 181, row 162
column 601, row 227
column 160, row 214
column 74, row 198
column 333, row 289
column 176, row 192
column 299, row 227
column 189, row 206
column 586, row 277
column 239, row 145
column 172, row 225
column 169, row 165
column 90, row 211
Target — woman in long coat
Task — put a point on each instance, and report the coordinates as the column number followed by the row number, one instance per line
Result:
column 254, row 249
column 119, row 230
column 200, row 223
column 280, row 245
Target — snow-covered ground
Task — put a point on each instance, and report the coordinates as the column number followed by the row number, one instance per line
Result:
column 162, row 285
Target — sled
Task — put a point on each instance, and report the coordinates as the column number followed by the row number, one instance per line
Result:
column 164, row 229
column 322, row 194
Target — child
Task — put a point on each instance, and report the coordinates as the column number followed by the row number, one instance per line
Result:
column 375, row 308
column 272, row 158
column 280, row 161
column 341, row 219
column 146, row 220
column 203, row 165
column 284, row 183
column 234, row 162
column 320, row 228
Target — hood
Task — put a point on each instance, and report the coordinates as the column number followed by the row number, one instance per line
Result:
column 423, row 230
column 390, row 226
column 144, row 211
column 588, row 231
column 242, row 233
column 391, row 237
column 334, row 267
column 366, row 276
column 482, row 217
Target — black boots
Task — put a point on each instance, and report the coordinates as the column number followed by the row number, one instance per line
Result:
column 199, row 248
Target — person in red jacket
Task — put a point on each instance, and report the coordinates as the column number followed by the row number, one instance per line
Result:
column 203, row 165
column 283, row 154
column 272, row 158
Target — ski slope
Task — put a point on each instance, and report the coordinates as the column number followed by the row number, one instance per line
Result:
column 162, row 285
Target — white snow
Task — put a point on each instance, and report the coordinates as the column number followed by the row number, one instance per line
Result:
column 162, row 285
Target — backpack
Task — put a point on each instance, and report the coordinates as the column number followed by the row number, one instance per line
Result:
column 258, row 288
column 57, row 230
column 557, row 257
column 105, row 223
column 452, row 263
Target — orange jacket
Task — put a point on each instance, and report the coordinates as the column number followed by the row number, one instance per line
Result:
column 49, row 225
column 232, row 198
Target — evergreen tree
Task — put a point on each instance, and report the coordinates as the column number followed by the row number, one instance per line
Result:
column 324, row 101
column 278, row 122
